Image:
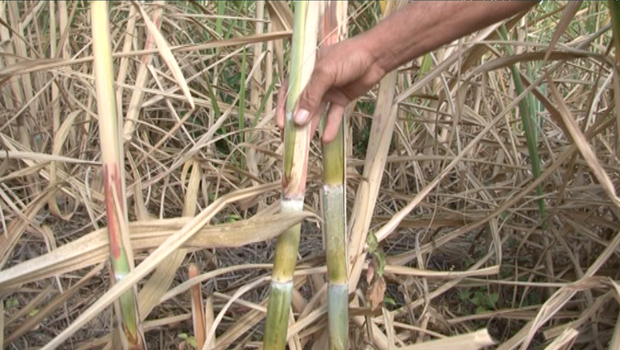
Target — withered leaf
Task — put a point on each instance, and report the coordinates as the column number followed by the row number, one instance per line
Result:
column 376, row 292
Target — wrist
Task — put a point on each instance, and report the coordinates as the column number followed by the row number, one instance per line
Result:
column 393, row 41
column 423, row 26
column 377, row 45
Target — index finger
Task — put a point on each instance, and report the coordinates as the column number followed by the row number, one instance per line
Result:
column 310, row 98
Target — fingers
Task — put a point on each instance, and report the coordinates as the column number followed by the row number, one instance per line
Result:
column 316, row 119
column 310, row 99
column 311, row 105
column 332, row 124
column 281, row 104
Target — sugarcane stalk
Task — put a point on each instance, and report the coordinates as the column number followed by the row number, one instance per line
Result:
column 113, row 174
column 334, row 216
column 296, row 146
column 333, row 200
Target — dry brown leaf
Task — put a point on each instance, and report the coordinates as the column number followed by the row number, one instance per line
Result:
column 58, row 301
column 158, row 284
column 376, row 292
column 503, row 62
column 472, row 341
column 172, row 243
column 133, row 110
column 93, row 248
column 18, row 226
column 282, row 20
column 584, row 147
column 166, row 53
column 281, row 15
column 42, row 157
column 60, row 137
column 198, row 311
column 209, row 319
column 47, row 64
column 569, row 13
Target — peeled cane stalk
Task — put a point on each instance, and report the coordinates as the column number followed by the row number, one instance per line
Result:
column 333, row 198
column 296, row 145
column 113, row 176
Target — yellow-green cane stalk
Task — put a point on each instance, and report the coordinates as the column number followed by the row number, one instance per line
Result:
column 296, row 145
column 334, row 226
column 113, row 174
column 333, row 200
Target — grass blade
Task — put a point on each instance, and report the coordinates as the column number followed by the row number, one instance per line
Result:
column 526, row 110
column 166, row 54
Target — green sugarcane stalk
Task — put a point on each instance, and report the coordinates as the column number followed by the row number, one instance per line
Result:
column 296, row 146
column 334, row 216
column 113, row 175
column 333, row 193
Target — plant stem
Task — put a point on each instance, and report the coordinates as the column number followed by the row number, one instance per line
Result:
column 113, row 175
column 296, row 145
column 333, row 193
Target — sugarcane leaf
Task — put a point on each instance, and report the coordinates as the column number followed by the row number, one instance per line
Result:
column 92, row 248
column 158, row 283
column 58, row 301
column 569, row 13
column 584, row 147
column 166, row 54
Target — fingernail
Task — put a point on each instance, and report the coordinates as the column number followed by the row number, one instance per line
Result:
column 301, row 117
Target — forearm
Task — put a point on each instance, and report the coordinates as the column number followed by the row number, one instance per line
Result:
column 423, row 26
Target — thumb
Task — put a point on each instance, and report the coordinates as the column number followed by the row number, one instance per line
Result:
column 310, row 99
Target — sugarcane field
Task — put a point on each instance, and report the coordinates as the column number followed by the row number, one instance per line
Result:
column 309, row 175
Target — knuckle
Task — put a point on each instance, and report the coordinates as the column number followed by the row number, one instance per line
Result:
column 317, row 86
column 322, row 72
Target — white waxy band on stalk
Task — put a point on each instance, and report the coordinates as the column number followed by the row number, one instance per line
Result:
column 333, row 189
column 292, row 205
column 281, row 286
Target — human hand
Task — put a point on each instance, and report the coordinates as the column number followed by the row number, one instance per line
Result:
column 347, row 70
column 342, row 73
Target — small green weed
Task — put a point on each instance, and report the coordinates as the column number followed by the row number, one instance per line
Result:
column 481, row 299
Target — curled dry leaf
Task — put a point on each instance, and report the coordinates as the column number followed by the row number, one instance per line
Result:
column 376, row 292
column 92, row 248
